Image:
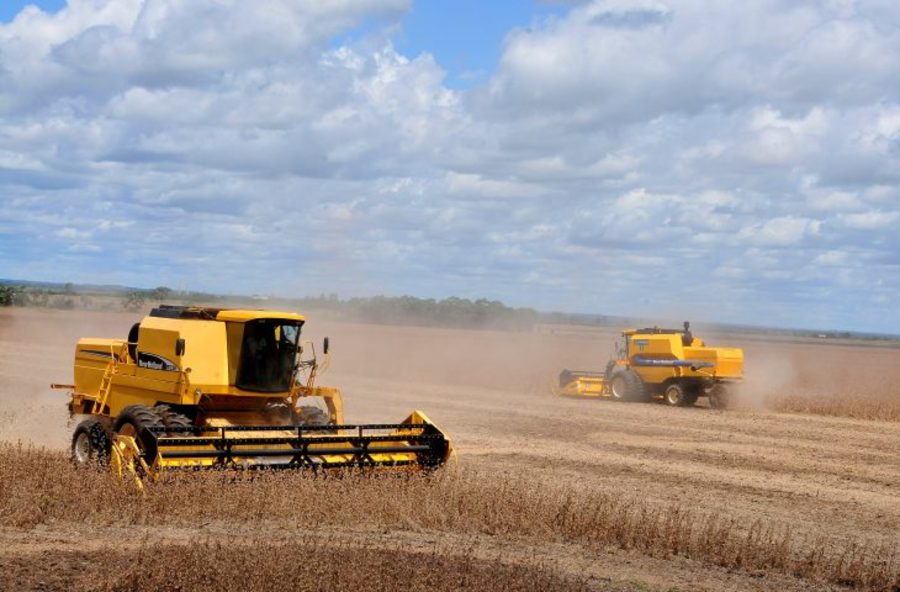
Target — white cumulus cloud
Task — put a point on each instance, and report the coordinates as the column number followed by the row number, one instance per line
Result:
column 721, row 159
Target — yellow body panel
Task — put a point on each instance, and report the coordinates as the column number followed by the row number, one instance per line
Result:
column 729, row 361
column 92, row 356
column 131, row 384
column 206, row 349
column 662, row 345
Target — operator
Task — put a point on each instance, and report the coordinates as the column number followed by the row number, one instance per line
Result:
column 254, row 362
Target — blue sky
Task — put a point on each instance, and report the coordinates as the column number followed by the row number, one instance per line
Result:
column 435, row 26
column 466, row 36
column 10, row 8
column 734, row 162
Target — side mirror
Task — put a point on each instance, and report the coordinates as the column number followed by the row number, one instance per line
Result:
column 179, row 346
column 325, row 346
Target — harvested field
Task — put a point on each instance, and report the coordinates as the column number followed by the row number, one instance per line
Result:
column 297, row 563
column 549, row 493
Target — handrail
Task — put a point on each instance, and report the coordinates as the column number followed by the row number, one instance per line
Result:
column 108, row 373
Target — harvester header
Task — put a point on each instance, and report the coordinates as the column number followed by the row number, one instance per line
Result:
column 202, row 387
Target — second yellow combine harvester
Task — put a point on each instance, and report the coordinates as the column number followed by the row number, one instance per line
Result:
column 199, row 387
column 667, row 363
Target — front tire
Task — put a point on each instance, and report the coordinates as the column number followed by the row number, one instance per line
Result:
column 309, row 415
column 90, row 443
column 173, row 419
column 626, row 385
column 134, row 421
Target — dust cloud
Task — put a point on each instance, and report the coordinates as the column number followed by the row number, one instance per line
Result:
column 36, row 349
column 520, row 361
column 767, row 374
column 386, row 370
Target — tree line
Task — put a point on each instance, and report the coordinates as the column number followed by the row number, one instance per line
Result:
column 409, row 310
column 396, row 310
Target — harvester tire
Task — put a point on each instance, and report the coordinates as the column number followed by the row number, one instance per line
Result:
column 134, row 421
column 720, row 397
column 173, row 419
column 280, row 413
column 309, row 415
column 90, row 443
column 626, row 385
column 679, row 395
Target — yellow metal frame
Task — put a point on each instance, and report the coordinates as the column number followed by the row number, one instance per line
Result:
column 129, row 464
column 582, row 386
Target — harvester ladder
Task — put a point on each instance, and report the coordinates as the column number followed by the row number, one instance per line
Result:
column 106, row 381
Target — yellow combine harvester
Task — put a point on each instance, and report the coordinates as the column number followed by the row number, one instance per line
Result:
column 670, row 363
column 204, row 387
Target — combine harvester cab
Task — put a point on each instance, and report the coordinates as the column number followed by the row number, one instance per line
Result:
column 670, row 364
column 199, row 388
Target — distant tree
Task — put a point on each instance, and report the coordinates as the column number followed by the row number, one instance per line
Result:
column 161, row 293
column 7, row 295
column 134, row 300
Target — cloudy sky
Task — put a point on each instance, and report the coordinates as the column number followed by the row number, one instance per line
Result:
column 721, row 161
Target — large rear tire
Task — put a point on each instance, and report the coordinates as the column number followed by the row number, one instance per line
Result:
column 173, row 419
column 720, row 397
column 134, row 421
column 310, row 415
column 626, row 385
column 90, row 443
column 280, row 413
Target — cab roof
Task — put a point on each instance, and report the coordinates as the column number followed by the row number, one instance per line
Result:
column 652, row 331
column 659, row 330
column 208, row 313
column 240, row 315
